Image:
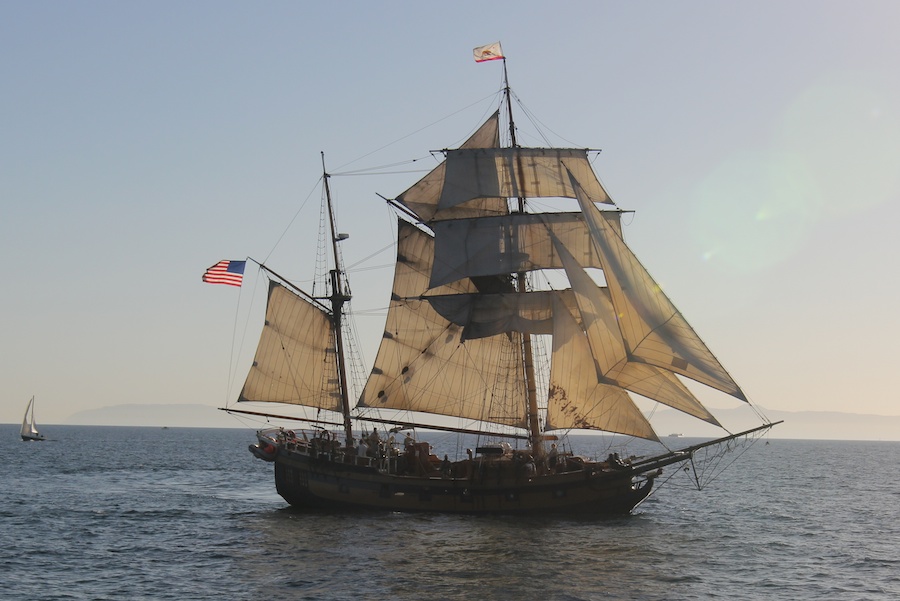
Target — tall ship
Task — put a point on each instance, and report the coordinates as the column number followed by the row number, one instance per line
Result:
column 508, row 324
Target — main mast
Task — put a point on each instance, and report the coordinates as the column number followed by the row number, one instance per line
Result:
column 338, row 298
column 534, row 425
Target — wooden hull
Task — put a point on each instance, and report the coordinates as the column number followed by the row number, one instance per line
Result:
column 307, row 481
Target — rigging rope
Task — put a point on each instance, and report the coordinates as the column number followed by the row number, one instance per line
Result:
column 432, row 124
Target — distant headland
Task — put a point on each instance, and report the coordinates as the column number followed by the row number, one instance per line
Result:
column 824, row 425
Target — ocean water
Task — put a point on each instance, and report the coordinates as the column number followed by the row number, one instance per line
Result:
column 149, row 513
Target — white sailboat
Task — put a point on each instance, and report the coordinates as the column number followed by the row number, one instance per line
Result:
column 29, row 428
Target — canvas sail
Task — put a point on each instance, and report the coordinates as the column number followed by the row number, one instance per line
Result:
column 576, row 398
column 423, row 198
column 601, row 325
column 481, row 283
column 517, row 173
column 422, row 363
column 29, row 427
column 652, row 328
column 477, row 178
column 507, row 244
column 453, row 335
column 295, row 360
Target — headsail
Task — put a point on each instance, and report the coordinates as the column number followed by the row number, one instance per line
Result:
column 601, row 325
column 577, row 399
column 652, row 328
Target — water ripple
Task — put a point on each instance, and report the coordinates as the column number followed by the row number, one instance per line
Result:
column 188, row 514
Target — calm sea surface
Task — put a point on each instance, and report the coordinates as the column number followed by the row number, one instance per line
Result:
column 149, row 513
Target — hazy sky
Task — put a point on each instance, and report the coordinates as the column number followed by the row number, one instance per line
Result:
column 141, row 142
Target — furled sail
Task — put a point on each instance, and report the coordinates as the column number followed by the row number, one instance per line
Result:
column 295, row 361
column 422, row 364
column 653, row 330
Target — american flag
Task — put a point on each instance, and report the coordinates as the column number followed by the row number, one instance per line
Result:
column 225, row 272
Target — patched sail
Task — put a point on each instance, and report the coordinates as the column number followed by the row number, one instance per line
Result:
column 295, row 361
column 576, row 398
column 423, row 365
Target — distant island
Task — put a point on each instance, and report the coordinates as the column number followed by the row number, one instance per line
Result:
column 823, row 425
column 814, row 425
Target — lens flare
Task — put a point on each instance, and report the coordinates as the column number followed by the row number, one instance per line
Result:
column 835, row 148
column 753, row 210
column 849, row 141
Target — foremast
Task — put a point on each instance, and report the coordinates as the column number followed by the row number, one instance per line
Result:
column 338, row 298
column 535, row 434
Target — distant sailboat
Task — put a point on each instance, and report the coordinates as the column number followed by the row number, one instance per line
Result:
column 29, row 428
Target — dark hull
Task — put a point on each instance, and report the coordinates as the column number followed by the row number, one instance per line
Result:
column 492, row 487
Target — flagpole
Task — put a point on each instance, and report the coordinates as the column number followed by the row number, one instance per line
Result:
column 508, row 94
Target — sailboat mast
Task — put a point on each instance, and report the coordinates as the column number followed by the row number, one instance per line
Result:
column 338, row 298
column 534, row 424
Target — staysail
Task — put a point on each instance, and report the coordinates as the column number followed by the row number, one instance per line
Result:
column 654, row 330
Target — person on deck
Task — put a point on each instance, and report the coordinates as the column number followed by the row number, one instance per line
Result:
column 552, row 457
column 362, row 448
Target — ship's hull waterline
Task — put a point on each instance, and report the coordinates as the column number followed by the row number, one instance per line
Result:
column 504, row 484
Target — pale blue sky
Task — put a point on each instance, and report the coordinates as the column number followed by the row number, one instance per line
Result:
column 141, row 142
